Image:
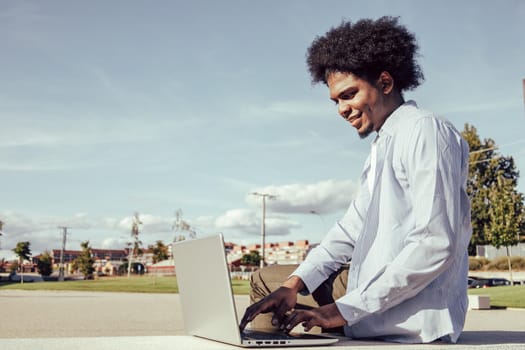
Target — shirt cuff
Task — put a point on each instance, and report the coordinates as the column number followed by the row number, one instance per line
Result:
column 311, row 277
column 352, row 307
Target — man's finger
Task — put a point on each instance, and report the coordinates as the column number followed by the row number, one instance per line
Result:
column 249, row 315
column 262, row 306
column 245, row 319
column 280, row 314
column 307, row 325
column 291, row 321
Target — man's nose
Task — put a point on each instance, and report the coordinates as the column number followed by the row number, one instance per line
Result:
column 344, row 109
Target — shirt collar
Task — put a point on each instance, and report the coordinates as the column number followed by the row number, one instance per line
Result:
column 392, row 120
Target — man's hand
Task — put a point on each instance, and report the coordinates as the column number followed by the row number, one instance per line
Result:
column 279, row 302
column 327, row 316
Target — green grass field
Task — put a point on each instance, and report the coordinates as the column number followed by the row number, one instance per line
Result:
column 511, row 296
column 110, row 284
column 499, row 296
column 143, row 284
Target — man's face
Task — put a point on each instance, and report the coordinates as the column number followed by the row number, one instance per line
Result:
column 359, row 102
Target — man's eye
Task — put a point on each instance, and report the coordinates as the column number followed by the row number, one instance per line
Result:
column 348, row 96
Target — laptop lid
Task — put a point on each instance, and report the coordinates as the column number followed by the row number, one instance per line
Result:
column 205, row 290
column 206, row 296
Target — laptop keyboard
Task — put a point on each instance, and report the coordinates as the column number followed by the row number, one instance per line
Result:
column 262, row 338
column 257, row 335
column 261, row 335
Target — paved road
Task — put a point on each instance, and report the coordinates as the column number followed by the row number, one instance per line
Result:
column 36, row 314
column 43, row 314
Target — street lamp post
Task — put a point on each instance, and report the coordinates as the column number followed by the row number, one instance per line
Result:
column 263, row 225
column 61, row 266
column 320, row 217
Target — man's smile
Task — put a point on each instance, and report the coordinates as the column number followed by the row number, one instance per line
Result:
column 355, row 120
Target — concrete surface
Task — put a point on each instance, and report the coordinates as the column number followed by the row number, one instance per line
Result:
column 88, row 320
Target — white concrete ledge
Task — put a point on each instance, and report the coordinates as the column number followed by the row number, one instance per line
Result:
column 479, row 302
column 486, row 340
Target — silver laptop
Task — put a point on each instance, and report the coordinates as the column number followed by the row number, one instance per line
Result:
column 206, row 297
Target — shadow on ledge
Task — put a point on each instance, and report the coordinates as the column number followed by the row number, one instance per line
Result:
column 491, row 337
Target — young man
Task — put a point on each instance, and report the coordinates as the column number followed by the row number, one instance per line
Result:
column 406, row 233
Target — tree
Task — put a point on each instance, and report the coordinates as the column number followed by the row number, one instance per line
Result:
column 491, row 183
column 73, row 267
column 23, row 252
column 159, row 250
column 253, row 258
column 135, row 230
column 44, row 264
column 506, row 216
column 136, row 242
column 85, row 261
column 180, row 227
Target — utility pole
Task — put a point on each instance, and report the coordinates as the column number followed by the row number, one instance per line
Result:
column 519, row 248
column 263, row 225
column 64, row 239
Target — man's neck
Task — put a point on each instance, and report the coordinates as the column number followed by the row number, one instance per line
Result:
column 393, row 103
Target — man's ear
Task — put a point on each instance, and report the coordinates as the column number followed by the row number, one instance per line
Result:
column 385, row 82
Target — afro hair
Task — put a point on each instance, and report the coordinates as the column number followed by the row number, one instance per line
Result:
column 367, row 48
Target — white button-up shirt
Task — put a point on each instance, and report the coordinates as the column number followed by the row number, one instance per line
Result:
column 406, row 235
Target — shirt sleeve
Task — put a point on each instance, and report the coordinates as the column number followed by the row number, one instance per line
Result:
column 337, row 246
column 433, row 159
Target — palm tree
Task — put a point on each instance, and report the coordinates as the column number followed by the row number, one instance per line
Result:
column 160, row 251
column 23, row 252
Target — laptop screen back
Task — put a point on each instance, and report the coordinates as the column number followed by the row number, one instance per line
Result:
column 205, row 290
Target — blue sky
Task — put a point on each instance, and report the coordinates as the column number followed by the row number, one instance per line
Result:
column 113, row 107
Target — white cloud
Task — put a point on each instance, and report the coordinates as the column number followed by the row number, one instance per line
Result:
column 43, row 232
column 150, row 224
column 324, row 197
column 16, row 224
column 247, row 222
column 239, row 219
column 280, row 225
column 113, row 243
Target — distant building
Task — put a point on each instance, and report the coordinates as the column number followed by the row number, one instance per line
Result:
column 106, row 254
column 106, row 260
column 282, row 253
